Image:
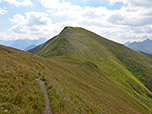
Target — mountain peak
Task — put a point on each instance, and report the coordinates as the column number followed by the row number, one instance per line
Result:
column 145, row 46
column 147, row 40
column 71, row 40
column 67, row 27
column 79, row 44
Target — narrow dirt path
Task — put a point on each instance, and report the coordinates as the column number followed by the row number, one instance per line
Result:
column 47, row 108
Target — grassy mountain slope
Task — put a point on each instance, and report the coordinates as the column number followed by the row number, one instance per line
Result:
column 83, row 74
column 73, row 87
column 19, row 92
column 128, row 69
column 83, row 45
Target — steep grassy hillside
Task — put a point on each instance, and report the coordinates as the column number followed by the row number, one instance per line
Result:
column 73, row 87
column 83, row 45
column 83, row 75
column 19, row 91
column 98, row 57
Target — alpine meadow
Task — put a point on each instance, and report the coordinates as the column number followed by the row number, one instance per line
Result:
column 83, row 73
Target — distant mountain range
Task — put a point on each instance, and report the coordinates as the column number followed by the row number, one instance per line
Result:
column 29, row 47
column 23, row 44
column 145, row 46
column 6, row 43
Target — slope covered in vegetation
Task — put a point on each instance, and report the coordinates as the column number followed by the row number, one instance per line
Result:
column 82, row 45
column 83, row 72
column 104, row 59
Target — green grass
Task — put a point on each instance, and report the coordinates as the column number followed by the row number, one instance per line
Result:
column 19, row 91
column 82, row 45
column 84, row 74
column 97, row 57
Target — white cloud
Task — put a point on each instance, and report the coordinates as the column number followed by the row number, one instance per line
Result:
column 18, row 3
column 140, row 3
column 17, row 18
column 2, row 11
column 132, row 22
column 135, row 3
column 118, row 25
column 115, row 1
column 55, row 4
column 31, row 25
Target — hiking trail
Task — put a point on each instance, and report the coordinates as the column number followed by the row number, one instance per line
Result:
column 47, row 108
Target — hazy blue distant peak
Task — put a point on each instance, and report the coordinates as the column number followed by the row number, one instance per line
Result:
column 39, row 41
column 127, row 43
column 29, row 47
column 145, row 46
column 6, row 43
column 147, row 40
column 22, row 43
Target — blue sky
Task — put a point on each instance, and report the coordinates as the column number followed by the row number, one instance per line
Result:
column 118, row 20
